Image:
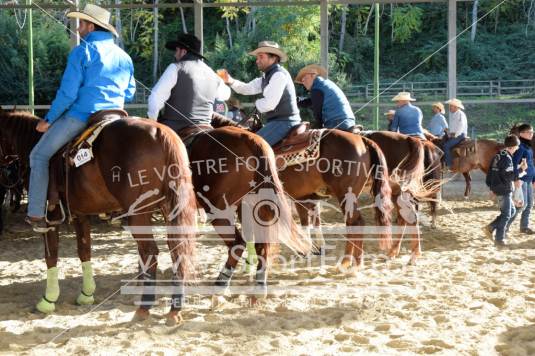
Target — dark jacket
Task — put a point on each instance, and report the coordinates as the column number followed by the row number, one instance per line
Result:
column 192, row 99
column 501, row 174
column 524, row 151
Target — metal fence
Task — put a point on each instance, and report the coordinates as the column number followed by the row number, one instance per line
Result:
column 484, row 89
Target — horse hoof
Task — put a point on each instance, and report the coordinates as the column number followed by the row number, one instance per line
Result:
column 174, row 318
column 217, row 300
column 413, row 261
column 140, row 315
column 260, row 291
column 344, row 265
column 45, row 307
column 319, row 252
column 85, row 300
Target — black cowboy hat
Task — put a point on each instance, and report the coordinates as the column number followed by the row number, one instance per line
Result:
column 187, row 41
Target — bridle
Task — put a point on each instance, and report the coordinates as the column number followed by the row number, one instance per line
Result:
column 255, row 118
column 6, row 162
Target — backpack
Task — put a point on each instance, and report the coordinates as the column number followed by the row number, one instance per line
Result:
column 493, row 170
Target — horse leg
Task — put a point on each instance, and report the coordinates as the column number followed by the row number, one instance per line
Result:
column 261, row 287
column 2, row 197
column 468, row 180
column 356, row 238
column 433, row 205
column 236, row 247
column 318, row 236
column 398, row 236
column 47, row 304
column 416, row 250
column 83, row 237
column 148, row 253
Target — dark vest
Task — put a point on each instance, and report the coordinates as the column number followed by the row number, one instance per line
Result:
column 286, row 109
column 192, row 98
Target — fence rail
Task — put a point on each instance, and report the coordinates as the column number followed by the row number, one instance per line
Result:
column 487, row 88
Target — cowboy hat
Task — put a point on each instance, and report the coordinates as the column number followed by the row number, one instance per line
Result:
column 187, row 41
column 440, row 107
column 311, row 69
column 390, row 112
column 270, row 47
column 456, row 103
column 403, row 95
column 95, row 14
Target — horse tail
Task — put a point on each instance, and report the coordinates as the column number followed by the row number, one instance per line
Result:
column 275, row 206
column 433, row 168
column 382, row 192
column 180, row 205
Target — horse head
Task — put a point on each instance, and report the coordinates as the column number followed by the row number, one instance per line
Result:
column 17, row 134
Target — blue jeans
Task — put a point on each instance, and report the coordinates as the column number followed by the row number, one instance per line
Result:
column 448, row 145
column 527, row 192
column 59, row 133
column 507, row 209
column 275, row 130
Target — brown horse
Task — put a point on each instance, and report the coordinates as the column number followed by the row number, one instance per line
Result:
column 234, row 172
column 147, row 172
column 408, row 158
column 346, row 163
column 485, row 150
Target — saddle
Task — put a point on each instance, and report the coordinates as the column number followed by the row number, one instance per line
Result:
column 465, row 148
column 301, row 145
column 188, row 134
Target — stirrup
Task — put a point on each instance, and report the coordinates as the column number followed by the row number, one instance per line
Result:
column 56, row 222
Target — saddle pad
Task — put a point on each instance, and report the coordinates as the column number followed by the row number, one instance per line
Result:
column 466, row 148
column 91, row 133
column 304, row 150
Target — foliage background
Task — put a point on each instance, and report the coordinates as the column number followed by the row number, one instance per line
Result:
column 503, row 46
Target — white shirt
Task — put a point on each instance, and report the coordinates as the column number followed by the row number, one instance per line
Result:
column 162, row 90
column 272, row 92
column 458, row 123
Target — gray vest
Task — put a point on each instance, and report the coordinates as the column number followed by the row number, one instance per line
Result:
column 192, row 98
column 286, row 109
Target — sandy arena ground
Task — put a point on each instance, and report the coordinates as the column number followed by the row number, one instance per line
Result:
column 464, row 297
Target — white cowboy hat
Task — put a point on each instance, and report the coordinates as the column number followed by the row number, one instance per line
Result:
column 311, row 69
column 456, row 103
column 440, row 107
column 270, row 47
column 390, row 112
column 95, row 14
column 403, row 95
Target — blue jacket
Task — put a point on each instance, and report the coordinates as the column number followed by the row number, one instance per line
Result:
column 336, row 111
column 99, row 75
column 524, row 151
column 437, row 125
column 408, row 120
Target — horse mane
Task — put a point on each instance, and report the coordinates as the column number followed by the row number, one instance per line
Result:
column 20, row 125
column 219, row 120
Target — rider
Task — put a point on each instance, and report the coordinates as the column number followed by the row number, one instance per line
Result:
column 279, row 102
column 187, row 89
column 458, row 129
column 99, row 76
column 330, row 105
column 525, row 180
column 438, row 124
column 408, row 118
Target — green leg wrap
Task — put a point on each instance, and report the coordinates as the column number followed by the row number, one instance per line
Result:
column 252, row 259
column 47, row 304
column 88, row 285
